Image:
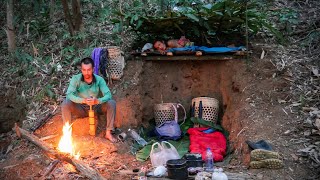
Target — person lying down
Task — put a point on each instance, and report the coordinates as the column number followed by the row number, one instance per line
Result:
column 183, row 44
column 163, row 47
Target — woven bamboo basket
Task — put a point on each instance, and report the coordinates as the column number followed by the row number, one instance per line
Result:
column 114, row 51
column 163, row 112
column 210, row 108
column 115, row 63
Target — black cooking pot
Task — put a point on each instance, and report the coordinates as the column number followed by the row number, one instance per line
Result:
column 177, row 169
column 193, row 160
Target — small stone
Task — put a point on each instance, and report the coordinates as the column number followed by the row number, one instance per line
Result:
column 290, row 169
column 316, row 72
column 295, row 157
column 308, row 121
column 314, row 131
column 317, row 123
column 259, row 176
column 307, row 133
column 287, row 132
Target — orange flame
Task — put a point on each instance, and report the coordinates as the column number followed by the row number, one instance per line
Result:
column 65, row 144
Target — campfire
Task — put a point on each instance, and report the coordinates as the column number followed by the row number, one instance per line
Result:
column 65, row 144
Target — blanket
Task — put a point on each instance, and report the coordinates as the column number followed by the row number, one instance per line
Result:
column 207, row 49
column 200, row 141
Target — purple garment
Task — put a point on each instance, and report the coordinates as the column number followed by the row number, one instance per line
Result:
column 96, row 58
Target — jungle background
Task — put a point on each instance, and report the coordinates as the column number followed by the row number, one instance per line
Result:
column 43, row 41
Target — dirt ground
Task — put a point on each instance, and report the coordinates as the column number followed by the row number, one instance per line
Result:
column 249, row 91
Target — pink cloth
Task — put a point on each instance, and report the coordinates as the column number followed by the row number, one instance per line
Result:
column 183, row 41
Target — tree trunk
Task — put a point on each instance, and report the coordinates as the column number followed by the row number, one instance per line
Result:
column 74, row 21
column 76, row 13
column 52, row 9
column 162, row 7
column 67, row 16
column 10, row 27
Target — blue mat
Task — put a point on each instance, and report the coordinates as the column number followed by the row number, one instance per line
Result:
column 207, row 49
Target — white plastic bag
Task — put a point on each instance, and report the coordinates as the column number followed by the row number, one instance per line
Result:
column 156, row 155
column 161, row 153
column 171, row 152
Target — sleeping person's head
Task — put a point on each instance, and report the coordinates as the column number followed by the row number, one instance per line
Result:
column 159, row 45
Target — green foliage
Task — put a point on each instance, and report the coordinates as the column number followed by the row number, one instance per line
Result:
column 45, row 92
column 194, row 19
column 286, row 18
column 312, row 39
column 287, row 15
column 22, row 57
column 36, row 21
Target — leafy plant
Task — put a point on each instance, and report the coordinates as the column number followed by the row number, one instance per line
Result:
column 45, row 92
column 195, row 19
column 68, row 53
column 21, row 56
column 288, row 16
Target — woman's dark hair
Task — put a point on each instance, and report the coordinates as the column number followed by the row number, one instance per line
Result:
column 87, row 60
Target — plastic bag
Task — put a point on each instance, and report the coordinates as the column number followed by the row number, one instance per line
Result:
column 161, row 153
column 170, row 151
column 156, row 155
column 170, row 130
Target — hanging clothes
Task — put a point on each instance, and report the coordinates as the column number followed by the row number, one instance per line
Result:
column 96, row 58
column 103, row 61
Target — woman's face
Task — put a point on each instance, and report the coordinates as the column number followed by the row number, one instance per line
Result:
column 159, row 45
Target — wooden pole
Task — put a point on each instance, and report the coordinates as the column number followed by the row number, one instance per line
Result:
column 188, row 58
column 247, row 33
column 80, row 166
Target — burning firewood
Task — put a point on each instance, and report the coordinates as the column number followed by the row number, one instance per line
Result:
column 51, row 151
